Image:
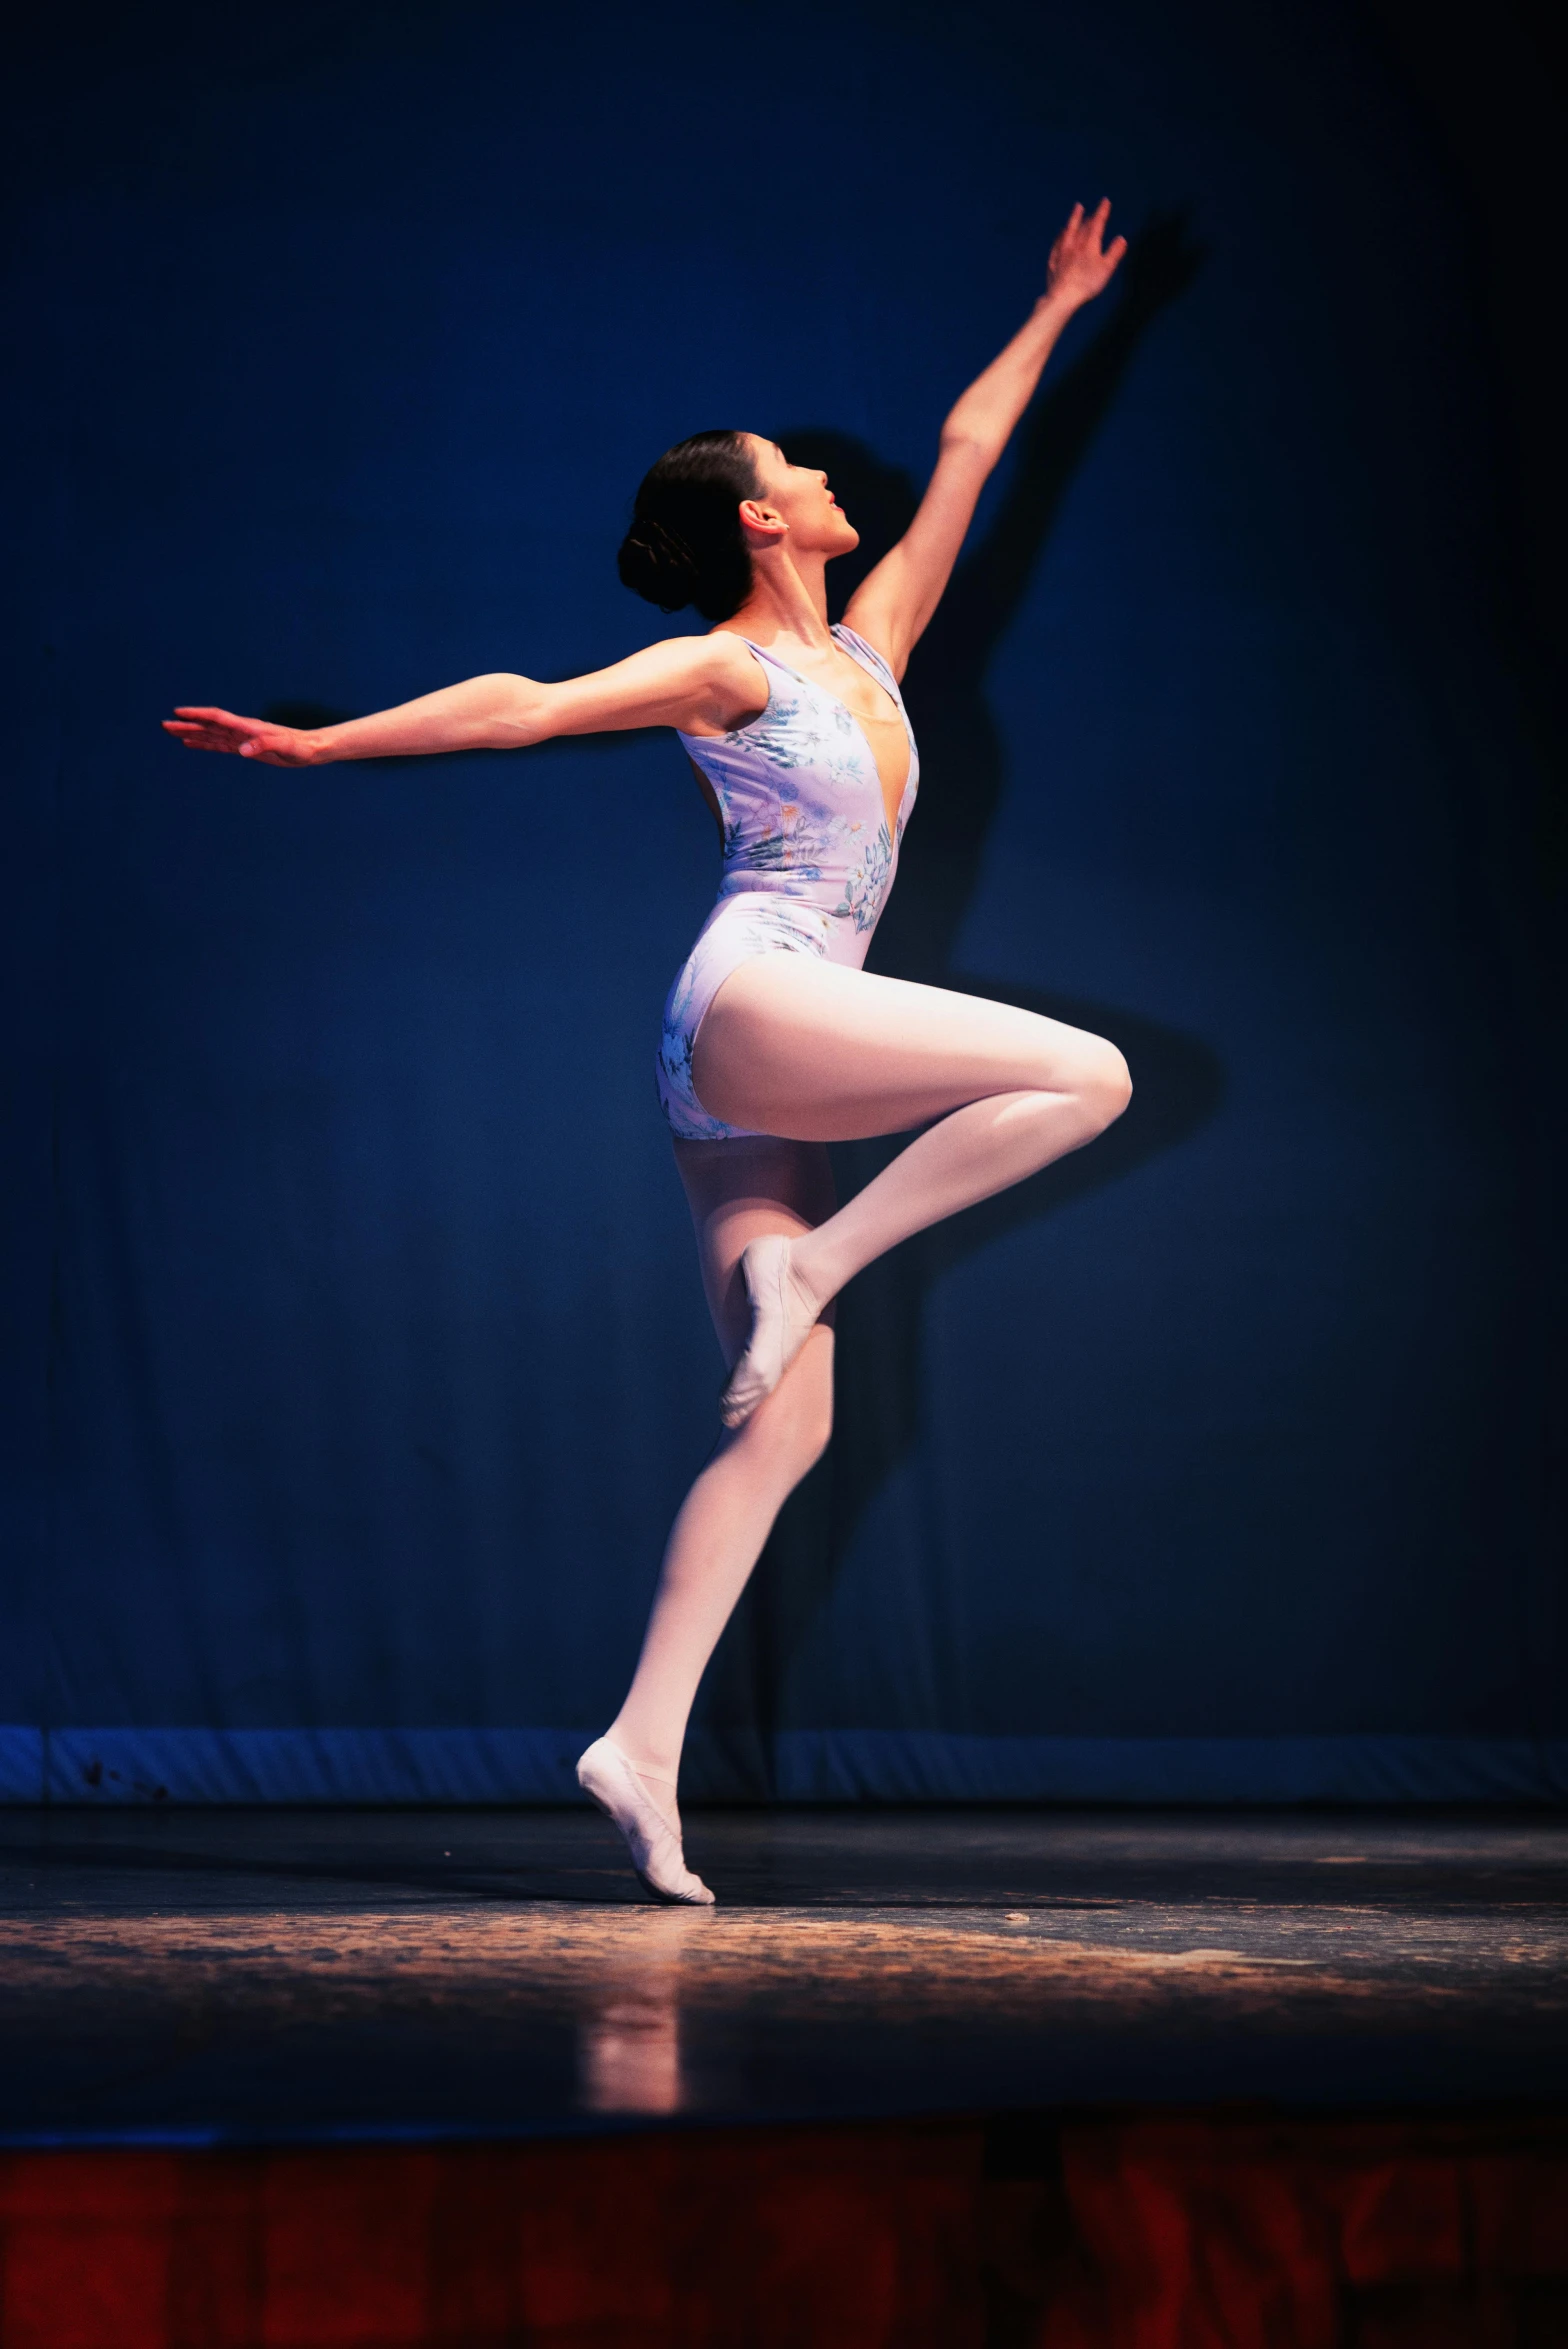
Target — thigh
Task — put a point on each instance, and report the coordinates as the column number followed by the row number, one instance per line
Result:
column 808, row 1049
column 738, row 1190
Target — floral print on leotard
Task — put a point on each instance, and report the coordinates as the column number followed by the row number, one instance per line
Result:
column 808, row 855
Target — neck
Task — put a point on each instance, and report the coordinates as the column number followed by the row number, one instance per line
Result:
column 789, row 597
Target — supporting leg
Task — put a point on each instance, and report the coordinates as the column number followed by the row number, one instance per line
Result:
column 738, row 1192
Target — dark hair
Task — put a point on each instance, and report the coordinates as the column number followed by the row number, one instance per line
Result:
column 686, row 545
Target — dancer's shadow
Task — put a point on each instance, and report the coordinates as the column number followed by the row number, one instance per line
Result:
column 1178, row 1079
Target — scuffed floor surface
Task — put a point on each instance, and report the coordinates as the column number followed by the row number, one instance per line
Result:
column 246, row 1976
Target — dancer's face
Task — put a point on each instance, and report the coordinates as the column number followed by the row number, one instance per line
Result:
column 800, row 497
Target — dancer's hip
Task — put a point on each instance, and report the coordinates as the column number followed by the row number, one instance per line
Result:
column 741, row 925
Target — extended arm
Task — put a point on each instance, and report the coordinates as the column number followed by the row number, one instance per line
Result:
column 701, row 683
column 891, row 607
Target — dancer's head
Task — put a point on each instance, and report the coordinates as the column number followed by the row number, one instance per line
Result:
column 711, row 506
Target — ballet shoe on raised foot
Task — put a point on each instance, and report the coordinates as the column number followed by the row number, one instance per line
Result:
column 610, row 1780
column 782, row 1318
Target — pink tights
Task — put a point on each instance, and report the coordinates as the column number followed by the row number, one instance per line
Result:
column 813, row 1054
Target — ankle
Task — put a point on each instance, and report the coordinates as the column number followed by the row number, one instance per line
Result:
column 808, row 1278
column 644, row 1759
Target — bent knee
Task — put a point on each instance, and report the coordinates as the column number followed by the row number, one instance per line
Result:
column 1106, row 1087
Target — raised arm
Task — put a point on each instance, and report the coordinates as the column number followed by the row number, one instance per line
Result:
column 701, row 683
column 894, row 603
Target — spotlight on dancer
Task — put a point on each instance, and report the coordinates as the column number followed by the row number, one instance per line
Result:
column 776, row 1040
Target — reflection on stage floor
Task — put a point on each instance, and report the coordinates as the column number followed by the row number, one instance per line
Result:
column 255, row 1976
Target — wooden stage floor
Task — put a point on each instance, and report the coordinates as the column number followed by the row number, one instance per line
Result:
column 253, row 1977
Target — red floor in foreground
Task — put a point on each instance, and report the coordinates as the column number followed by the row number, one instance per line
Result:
column 1198, row 2233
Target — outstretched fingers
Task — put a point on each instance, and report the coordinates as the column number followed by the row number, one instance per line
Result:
column 200, row 728
column 1081, row 264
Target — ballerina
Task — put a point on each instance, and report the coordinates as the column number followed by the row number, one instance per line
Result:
column 776, row 1041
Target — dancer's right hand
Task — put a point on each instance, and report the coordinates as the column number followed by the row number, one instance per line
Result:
column 251, row 738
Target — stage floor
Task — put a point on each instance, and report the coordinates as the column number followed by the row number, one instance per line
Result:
column 252, row 1976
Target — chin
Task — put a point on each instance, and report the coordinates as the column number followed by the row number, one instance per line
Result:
column 845, row 540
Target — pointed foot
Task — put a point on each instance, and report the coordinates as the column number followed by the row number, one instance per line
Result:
column 782, row 1318
column 623, row 1794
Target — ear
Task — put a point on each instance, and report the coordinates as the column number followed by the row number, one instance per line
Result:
column 763, row 524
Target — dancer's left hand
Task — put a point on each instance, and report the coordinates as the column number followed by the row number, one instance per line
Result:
column 1078, row 268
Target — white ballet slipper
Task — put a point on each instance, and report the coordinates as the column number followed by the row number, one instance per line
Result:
column 605, row 1774
column 782, row 1318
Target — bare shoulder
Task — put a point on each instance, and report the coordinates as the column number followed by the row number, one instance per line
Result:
column 716, row 679
column 731, row 655
column 734, row 679
column 870, row 619
column 719, row 663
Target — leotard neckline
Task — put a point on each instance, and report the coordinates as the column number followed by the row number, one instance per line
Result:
column 848, row 638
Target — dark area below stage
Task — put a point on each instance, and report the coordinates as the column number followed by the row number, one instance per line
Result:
column 1032, row 2232
column 255, row 1976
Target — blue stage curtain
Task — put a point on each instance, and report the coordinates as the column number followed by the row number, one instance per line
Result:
column 354, row 1355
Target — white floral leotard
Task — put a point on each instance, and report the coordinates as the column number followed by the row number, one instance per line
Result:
column 808, row 858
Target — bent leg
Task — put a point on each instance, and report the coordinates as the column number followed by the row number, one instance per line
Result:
column 829, row 1054
column 739, row 1191
column 791, row 1045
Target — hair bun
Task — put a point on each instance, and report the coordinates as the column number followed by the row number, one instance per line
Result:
column 657, row 564
column 686, row 544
